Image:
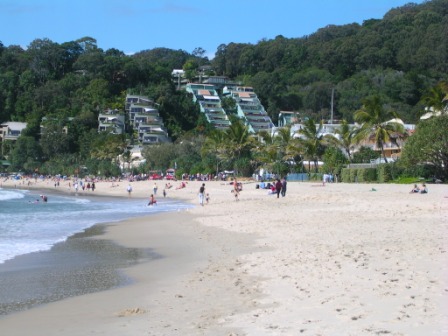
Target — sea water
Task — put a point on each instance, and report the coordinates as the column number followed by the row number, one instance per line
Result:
column 27, row 224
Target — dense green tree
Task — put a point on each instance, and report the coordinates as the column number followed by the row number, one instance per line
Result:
column 334, row 160
column 107, row 146
column 54, row 141
column 188, row 154
column 27, row 154
column 429, row 146
column 190, row 68
column 365, row 155
column 160, row 157
column 46, row 60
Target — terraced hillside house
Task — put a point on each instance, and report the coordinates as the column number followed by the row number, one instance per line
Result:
column 249, row 108
column 210, row 104
column 111, row 121
column 144, row 117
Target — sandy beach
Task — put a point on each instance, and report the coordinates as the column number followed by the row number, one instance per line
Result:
column 339, row 259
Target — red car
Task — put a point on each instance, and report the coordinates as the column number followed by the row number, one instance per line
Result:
column 155, row 176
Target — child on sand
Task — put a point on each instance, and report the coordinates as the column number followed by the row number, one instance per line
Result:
column 424, row 189
column 416, row 189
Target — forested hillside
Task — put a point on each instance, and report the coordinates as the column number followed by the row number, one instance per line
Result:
column 400, row 59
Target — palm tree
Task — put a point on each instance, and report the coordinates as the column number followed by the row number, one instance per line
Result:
column 127, row 157
column 291, row 149
column 436, row 98
column 239, row 141
column 267, row 151
column 312, row 141
column 345, row 138
column 377, row 123
column 215, row 144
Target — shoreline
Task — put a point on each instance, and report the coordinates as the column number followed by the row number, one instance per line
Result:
column 341, row 259
column 80, row 265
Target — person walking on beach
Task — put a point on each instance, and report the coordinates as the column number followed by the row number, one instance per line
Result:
column 201, row 194
column 236, row 190
column 154, row 188
column 278, row 187
column 283, row 191
column 129, row 190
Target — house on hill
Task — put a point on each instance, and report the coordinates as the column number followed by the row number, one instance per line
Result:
column 111, row 121
column 249, row 108
column 11, row 130
column 146, row 120
column 210, row 104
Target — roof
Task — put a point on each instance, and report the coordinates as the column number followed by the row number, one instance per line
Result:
column 15, row 125
column 211, row 97
column 244, row 94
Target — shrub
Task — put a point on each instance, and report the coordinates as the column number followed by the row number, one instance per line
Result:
column 366, row 175
column 353, row 175
column 345, row 175
column 384, row 173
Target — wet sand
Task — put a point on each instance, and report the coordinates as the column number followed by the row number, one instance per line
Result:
column 78, row 266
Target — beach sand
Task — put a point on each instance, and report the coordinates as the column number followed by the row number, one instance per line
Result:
column 340, row 259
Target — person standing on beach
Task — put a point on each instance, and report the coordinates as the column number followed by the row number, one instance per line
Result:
column 236, row 190
column 278, row 187
column 283, row 191
column 201, row 194
column 154, row 188
column 129, row 190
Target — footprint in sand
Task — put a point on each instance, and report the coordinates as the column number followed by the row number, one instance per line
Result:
column 131, row 311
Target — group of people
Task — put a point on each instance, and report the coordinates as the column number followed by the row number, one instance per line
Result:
column 82, row 185
column 203, row 196
column 280, row 187
column 417, row 190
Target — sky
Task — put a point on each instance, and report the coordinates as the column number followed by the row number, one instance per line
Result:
column 135, row 25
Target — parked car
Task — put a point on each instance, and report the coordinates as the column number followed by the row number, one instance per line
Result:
column 155, row 175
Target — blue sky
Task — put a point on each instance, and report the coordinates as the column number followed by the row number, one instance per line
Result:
column 136, row 25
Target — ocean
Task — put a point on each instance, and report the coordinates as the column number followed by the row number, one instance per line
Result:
column 29, row 225
column 48, row 250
